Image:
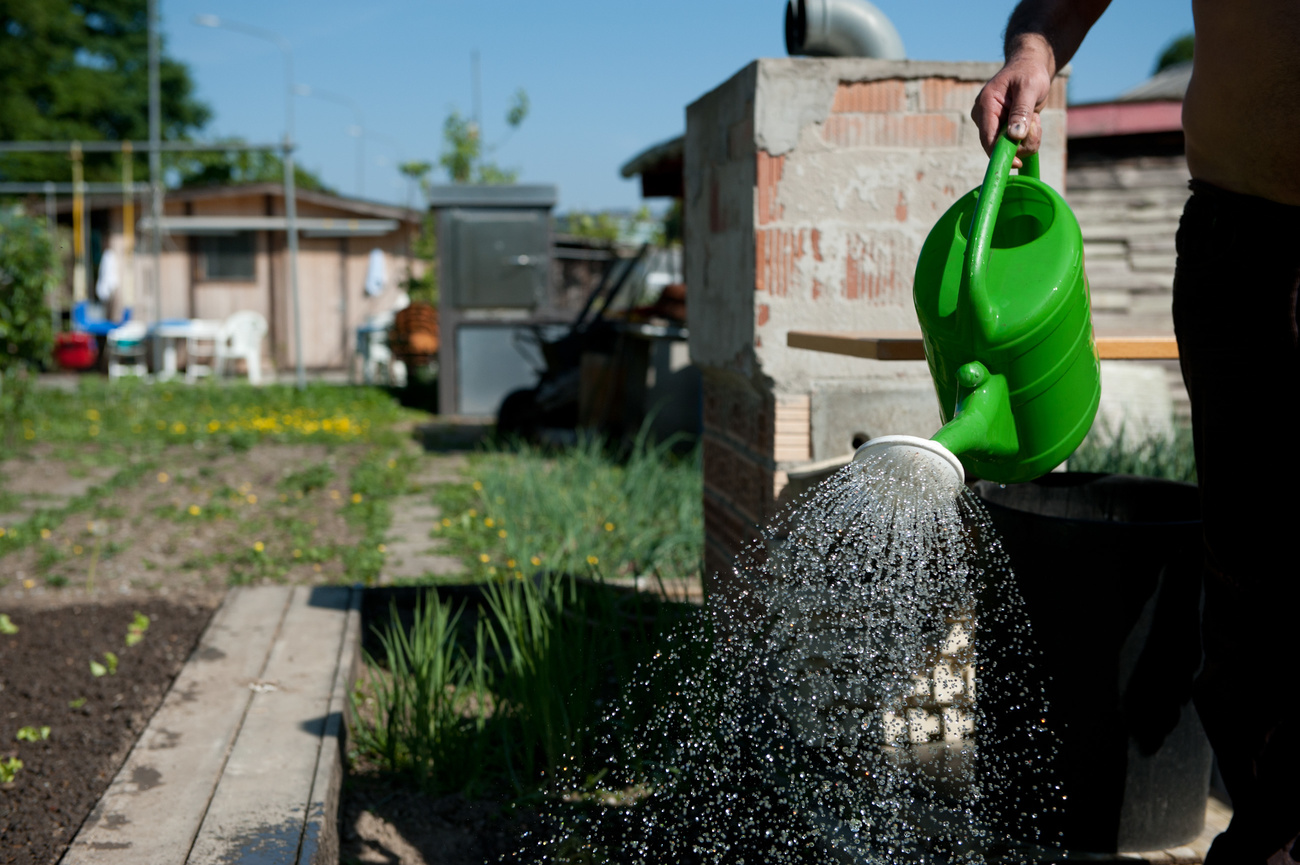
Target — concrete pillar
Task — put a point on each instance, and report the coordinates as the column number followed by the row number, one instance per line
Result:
column 810, row 186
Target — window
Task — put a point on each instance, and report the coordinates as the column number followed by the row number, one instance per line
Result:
column 228, row 257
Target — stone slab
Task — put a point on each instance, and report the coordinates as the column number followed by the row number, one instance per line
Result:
column 152, row 810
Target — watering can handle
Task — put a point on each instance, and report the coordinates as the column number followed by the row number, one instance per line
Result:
column 981, row 229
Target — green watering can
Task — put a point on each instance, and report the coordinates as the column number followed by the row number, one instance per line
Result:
column 1004, row 308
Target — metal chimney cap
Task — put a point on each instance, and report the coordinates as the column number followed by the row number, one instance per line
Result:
column 840, row 28
column 483, row 195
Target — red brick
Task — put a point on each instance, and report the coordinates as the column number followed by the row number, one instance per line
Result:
column 891, row 130
column 770, row 169
column 764, row 313
column 948, row 94
column 856, row 97
column 776, row 253
column 875, row 270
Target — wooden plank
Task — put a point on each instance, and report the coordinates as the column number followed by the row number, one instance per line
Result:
column 260, row 808
column 320, row 838
column 152, row 810
column 879, row 345
column 1137, row 348
column 895, row 345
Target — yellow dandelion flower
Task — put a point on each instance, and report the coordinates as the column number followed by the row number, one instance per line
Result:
column 195, row 510
column 535, row 562
column 334, row 494
column 297, row 554
column 178, row 428
column 77, row 550
column 94, row 430
column 392, row 464
column 473, row 512
column 501, row 534
column 163, row 477
column 484, row 558
column 45, row 534
column 91, row 414
column 29, row 434
column 489, row 522
column 592, row 560
column 609, row 527
column 259, row 547
column 2, row 531
column 29, row 584
column 510, row 563
column 478, row 486
column 252, row 499
column 316, row 568
column 214, row 425
column 356, row 498
column 382, row 548
column 446, row 522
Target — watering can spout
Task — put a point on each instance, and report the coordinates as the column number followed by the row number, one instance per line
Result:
column 983, row 425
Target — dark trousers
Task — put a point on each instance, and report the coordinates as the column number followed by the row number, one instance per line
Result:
column 1235, row 316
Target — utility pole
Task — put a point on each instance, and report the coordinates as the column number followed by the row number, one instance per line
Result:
column 155, row 162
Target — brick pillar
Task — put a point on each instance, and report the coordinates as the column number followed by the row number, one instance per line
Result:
column 810, row 186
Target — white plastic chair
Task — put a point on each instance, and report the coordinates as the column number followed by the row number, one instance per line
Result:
column 127, row 349
column 240, row 338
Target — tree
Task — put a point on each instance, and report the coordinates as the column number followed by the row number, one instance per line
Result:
column 1177, row 51
column 28, row 266
column 78, row 70
column 463, row 153
column 219, row 168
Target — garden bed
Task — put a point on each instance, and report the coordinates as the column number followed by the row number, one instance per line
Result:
column 79, row 726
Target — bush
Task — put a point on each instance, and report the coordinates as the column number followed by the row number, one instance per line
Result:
column 28, row 266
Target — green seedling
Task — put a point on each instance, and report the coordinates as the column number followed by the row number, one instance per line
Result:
column 135, row 630
column 32, row 734
column 8, row 769
column 7, row 626
column 109, row 667
column 77, row 703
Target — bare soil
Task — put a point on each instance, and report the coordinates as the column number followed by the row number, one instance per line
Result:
column 46, row 681
column 141, row 535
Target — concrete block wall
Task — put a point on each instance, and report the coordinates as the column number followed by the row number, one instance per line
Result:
column 810, row 186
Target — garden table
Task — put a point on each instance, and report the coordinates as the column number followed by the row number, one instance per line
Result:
column 168, row 332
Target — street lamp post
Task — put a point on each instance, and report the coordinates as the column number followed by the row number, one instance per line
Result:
column 290, row 197
column 357, row 131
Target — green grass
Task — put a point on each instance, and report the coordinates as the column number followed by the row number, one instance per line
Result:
column 577, row 512
column 521, row 702
column 1157, row 457
column 138, row 414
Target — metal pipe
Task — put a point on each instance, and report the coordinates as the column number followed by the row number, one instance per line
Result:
column 840, row 28
column 155, row 161
column 78, row 227
column 128, row 225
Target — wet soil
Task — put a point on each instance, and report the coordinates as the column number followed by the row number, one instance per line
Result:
column 46, row 681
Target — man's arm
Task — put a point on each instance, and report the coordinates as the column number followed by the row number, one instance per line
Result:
column 1041, row 37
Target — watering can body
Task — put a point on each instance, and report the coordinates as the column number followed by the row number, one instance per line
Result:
column 1004, row 308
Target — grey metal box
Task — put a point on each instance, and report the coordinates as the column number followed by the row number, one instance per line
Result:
column 497, row 258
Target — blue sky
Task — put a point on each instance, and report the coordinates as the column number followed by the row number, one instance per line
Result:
column 605, row 79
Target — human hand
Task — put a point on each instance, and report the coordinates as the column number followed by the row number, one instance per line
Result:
column 1012, row 99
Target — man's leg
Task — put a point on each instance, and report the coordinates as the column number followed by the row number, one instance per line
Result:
column 1235, row 315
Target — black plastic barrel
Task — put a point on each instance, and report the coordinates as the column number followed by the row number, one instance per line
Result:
column 1109, row 567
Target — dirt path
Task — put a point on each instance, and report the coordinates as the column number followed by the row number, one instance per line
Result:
column 412, row 553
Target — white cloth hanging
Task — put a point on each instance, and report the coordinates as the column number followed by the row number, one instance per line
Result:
column 109, row 276
column 376, row 273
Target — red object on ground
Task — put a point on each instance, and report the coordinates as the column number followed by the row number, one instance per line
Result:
column 75, row 350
